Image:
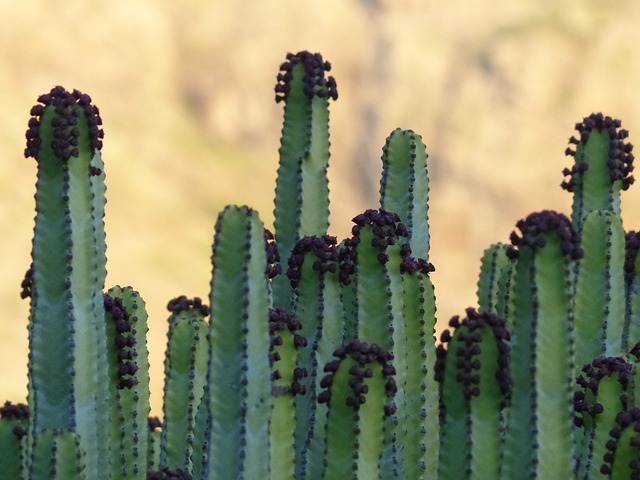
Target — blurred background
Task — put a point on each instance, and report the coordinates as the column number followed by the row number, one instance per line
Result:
column 185, row 91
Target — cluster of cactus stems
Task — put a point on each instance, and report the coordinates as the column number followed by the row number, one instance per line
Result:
column 315, row 358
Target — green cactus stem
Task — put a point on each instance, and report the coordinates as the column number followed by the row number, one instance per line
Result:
column 404, row 186
column 631, row 333
column 67, row 356
column 418, row 415
column 288, row 383
column 154, row 429
column 313, row 274
column 57, row 455
column 622, row 459
column 599, row 308
column 239, row 376
column 202, row 431
column 358, row 387
column 302, row 200
column 473, row 368
column 603, row 165
column 539, row 436
column 375, row 261
column 603, row 394
column 13, row 430
column 364, row 260
column 494, row 265
column 185, row 366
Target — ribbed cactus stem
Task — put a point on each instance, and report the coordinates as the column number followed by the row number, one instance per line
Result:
column 599, row 308
column 66, row 363
column 185, row 368
column 631, row 334
column 288, row 382
column 358, row 387
column 603, row 165
column 374, row 242
column 494, row 265
column 313, row 274
column 539, row 436
column 404, row 190
column 378, row 259
column 154, row 432
column 57, row 455
column 420, row 427
column 404, row 187
column 622, row 460
column 473, row 368
column 239, row 378
column 602, row 394
column 128, row 392
column 14, row 420
column 302, row 200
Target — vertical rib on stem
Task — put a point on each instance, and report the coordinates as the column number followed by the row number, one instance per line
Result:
column 239, row 372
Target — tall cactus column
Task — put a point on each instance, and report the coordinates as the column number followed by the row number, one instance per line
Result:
column 239, row 381
column 602, row 168
column 302, row 190
column 539, row 438
column 68, row 271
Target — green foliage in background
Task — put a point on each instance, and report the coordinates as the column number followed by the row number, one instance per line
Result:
column 316, row 359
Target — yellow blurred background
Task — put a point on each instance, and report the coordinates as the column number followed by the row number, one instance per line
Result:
column 185, row 90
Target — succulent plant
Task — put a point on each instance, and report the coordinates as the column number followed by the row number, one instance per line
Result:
column 315, row 358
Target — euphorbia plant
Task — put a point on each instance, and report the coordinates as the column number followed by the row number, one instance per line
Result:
column 315, row 358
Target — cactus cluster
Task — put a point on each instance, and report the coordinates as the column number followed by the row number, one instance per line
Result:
column 315, row 358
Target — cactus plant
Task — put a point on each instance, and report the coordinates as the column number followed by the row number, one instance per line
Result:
column 316, row 358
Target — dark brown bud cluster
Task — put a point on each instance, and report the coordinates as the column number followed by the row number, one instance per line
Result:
column 313, row 79
column 364, row 354
column 14, row 411
column 68, row 106
column 632, row 246
column 468, row 333
column 620, row 161
column 125, row 341
column 27, row 283
column 411, row 264
column 534, row 228
column 154, row 423
column 624, row 420
column 183, row 304
column 387, row 230
column 19, row 411
column 325, row 256
column 169, row 474
column 281, row 320
column 590, row 379
column 273, row 255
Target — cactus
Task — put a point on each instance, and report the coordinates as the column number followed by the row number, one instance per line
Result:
column 476, row 387
column 316, row 358
column 302, row 187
